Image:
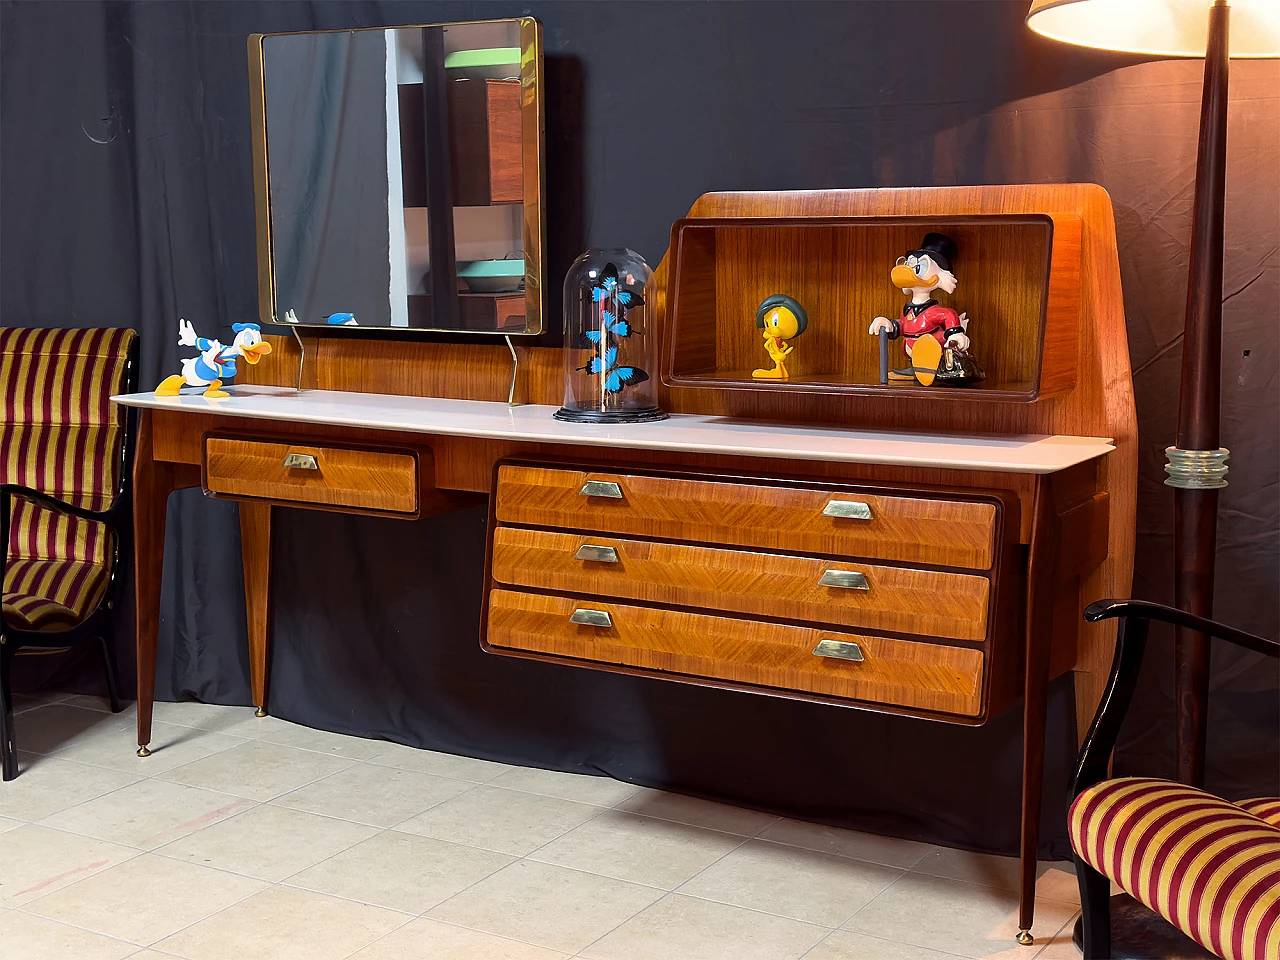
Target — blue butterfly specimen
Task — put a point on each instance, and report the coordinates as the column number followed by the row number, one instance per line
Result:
column 609, row 288
column 614, row 301
column 626, row 298
column 610, row 323
column 615, row 377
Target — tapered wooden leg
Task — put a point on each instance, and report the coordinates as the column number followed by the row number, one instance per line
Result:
column 1034, row 709
column 255, row 549
column 152, row 484
column 1041, row 576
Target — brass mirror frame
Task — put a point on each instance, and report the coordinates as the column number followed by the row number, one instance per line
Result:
column 533, row 135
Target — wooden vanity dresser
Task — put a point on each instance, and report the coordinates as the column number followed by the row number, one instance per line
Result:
column 922, row 551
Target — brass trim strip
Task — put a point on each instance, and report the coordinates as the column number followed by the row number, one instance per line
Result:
column 261, row 181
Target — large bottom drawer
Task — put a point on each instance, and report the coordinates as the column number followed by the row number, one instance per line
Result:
column 904, row 673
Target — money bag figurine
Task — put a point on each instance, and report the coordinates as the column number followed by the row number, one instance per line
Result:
column 935, row 338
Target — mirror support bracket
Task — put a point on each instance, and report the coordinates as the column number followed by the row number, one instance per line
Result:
column 515, row 373
column 302, row 355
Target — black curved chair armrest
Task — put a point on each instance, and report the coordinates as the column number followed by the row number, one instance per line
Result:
column 1110, row 609
column 1135, row 617
column 9, row 490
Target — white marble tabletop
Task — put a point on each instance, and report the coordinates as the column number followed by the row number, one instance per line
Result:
column 681, row 432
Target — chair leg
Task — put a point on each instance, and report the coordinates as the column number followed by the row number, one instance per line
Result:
column 8, row 751
column 106, row 647
column 1095, row 911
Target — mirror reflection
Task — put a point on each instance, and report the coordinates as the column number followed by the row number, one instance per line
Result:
column 403, row 177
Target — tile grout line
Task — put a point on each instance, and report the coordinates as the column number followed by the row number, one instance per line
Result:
column 666, row 894
column 76, row 926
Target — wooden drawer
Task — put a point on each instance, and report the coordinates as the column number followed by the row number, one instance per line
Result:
column 952, row 533
column 899, row 599
column 330, row 476
column 903, row 673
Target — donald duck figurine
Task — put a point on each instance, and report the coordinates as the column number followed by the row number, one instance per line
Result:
column 215, row 363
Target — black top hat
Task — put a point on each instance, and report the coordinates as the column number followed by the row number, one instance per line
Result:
column 940, row 248
column 782, row 300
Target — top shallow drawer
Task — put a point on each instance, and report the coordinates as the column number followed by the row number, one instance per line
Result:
column 337, row 477
column 832, row 522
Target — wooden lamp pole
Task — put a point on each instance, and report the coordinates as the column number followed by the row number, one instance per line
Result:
column 1196, row 465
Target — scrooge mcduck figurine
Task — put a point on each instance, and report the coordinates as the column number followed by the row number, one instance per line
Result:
column 935, row 337
column 215, row 362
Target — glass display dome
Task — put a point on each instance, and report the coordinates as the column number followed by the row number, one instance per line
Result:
column 608, row 356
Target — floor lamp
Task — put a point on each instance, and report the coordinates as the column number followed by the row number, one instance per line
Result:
column 1197, row 469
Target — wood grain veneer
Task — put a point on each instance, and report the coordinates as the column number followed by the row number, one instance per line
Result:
column 955, row 533
column 484, row 144
column 921, row 676
column 899, row 599
column 357, row 479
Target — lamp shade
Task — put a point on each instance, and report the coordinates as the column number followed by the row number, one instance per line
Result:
column 1166, row 28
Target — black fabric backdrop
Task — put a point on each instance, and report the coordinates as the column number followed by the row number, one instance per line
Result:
column 125, row 178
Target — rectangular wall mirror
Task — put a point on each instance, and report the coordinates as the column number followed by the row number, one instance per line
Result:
column 398, row 177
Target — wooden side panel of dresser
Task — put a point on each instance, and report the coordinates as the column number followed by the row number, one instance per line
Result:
column 903, row 601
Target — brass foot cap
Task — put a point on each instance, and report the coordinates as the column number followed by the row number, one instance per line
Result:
column 260, row 712
column 1025, row 938
column 143, row 751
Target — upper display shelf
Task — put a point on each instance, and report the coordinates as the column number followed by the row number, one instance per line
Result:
column 992, row 300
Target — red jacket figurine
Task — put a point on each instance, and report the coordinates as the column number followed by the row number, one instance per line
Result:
column 930, row 317
column 918, row 274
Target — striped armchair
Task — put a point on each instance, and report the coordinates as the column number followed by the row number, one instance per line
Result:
column 64, row 452
column 1209, row 867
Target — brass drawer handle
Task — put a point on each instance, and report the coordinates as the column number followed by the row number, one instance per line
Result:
column 847, row 510
column 601, row 488
column 589, row 551
column 839, row 650
column 845, row 580
column 592, row 618
column 300, row 461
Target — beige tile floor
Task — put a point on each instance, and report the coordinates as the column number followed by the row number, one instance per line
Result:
column 256, row 838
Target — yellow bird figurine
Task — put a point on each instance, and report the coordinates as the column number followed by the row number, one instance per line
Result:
column 780, row 319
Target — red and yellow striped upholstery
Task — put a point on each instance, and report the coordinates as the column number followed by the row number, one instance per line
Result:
column 1209, row 867
column 1264, row 809
column 59, row 434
